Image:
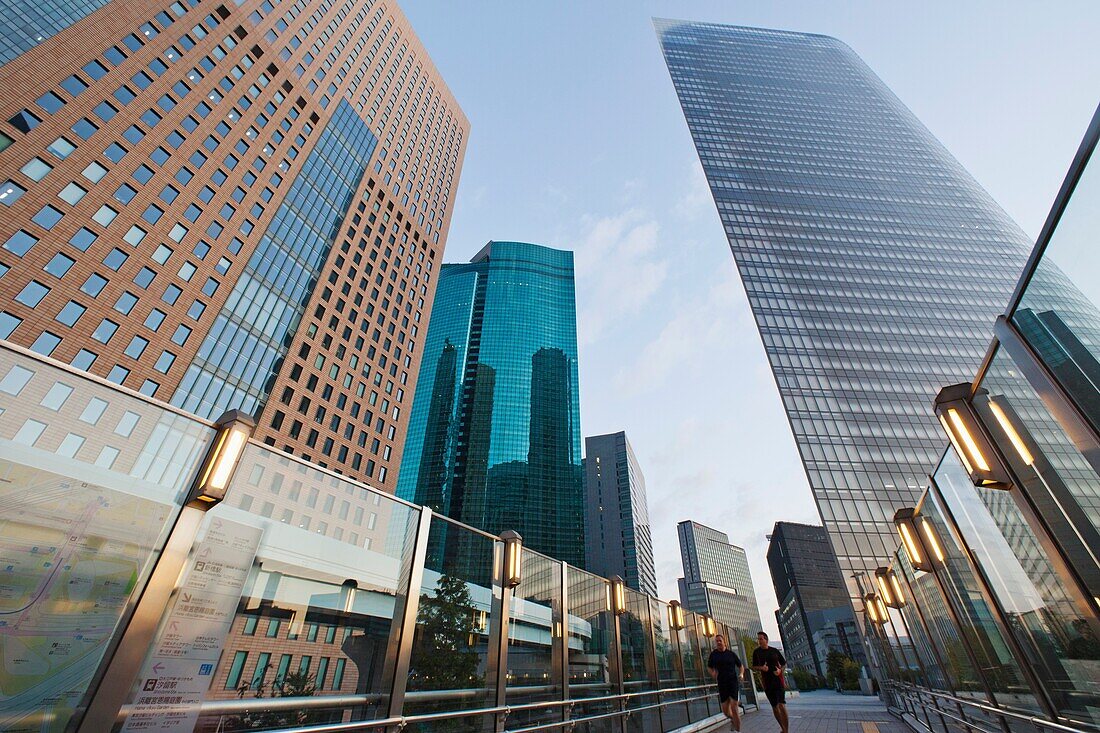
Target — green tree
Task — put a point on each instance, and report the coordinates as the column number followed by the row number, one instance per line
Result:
column 443, row 657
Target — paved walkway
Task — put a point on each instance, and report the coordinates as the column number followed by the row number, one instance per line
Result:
column 825, row 711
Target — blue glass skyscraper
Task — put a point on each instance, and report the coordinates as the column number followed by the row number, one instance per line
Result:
column 873, row 262
column 494, row 436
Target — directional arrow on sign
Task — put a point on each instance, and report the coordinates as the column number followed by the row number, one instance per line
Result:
column 157, row 668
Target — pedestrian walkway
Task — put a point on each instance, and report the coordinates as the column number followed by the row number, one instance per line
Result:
column 824, row 711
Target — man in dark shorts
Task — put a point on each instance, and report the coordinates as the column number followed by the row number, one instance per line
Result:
column 726, row 668
column 769, row 662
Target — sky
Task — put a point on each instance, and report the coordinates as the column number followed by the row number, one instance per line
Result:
column 577, row 142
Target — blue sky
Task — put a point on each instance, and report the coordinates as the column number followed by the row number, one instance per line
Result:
column 577, row 142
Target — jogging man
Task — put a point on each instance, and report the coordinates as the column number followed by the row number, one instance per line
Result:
column 770, row 663
column 726, row 668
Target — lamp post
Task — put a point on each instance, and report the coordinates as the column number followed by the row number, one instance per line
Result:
column 925, row 551
column 998, row 452
column 208, row 489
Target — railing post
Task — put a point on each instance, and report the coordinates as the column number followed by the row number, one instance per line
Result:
column 403, row 625
column 207, row 490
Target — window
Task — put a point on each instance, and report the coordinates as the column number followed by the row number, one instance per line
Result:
column 85, row 128
column 24, row 121
column 124, row 95
column 118, row 374
column 94, row 173
column 83, row 239
column 20, row 243
column 126, row 303
column 133, row 134
column 45, row 343
column 273, row 631
column 164, row 362
column 104, row 216
column 74, row 85
column 171, row 294
column 105, row 111
column 84, row 359
column 8, row 324
column 145, row 277
column 136, row 347
column 71, row 313
column 61, row 147
column 94, row 285
column 59, row 265
column 152, row 214
column 154, row 319
column 114, row 152
column 104, row 331
column 115, row 259
column 134, row 235
column 95, row 70
column 50, row 102
column 124, row 194
column 47, row 217
column 36, row 169
column 11, row 192
column 72, row 194
column 181, row 335
column 235, row 669
column 161, row 254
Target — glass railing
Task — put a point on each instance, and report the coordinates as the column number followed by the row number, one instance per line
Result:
column 92, row 479
column 301, row 598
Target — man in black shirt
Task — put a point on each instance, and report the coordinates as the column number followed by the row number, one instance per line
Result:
column 769, row 663
column 726, row 668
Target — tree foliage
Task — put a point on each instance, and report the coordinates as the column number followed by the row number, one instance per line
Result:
column 443, row 657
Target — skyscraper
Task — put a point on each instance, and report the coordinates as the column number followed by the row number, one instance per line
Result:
column 810, row 591
column 230, row 206
column 618, row 540
column 873, row 262
column 716, row 578
column 494, row 436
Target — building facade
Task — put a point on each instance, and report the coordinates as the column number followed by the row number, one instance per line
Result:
column 217, row 204
column 811, row 594
column 494, row 437
column 618, row 539
column 716, row 578
column 873, row 262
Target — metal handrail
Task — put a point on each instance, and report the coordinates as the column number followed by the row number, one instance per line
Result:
column 914, row 691
column 401, row 722
column 226, row 707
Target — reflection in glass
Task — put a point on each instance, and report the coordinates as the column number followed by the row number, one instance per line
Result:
column 1058, row 642
column 534, row 633
column 90, row 481
column 1057, row 314
column 494, row 432
column 998, row 666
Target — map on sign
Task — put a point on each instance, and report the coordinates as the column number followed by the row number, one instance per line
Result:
column 71, row 554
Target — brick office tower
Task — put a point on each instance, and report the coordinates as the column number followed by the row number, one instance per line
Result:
column 215, row 203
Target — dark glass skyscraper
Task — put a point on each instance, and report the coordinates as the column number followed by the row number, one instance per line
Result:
column 873, row 262
column 812, row 596
column 618, row 540
column 494, row 435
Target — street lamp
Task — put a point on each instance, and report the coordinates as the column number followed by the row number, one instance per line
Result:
column 675, row 615
column 876, row 610
column 513, row 557
column 618, row 595
column 965, row 430
column 889, row 588
column 919, row 538
column 234, row 428
column 710, row 628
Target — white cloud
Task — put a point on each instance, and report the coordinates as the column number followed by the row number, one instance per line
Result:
column 619, row 268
